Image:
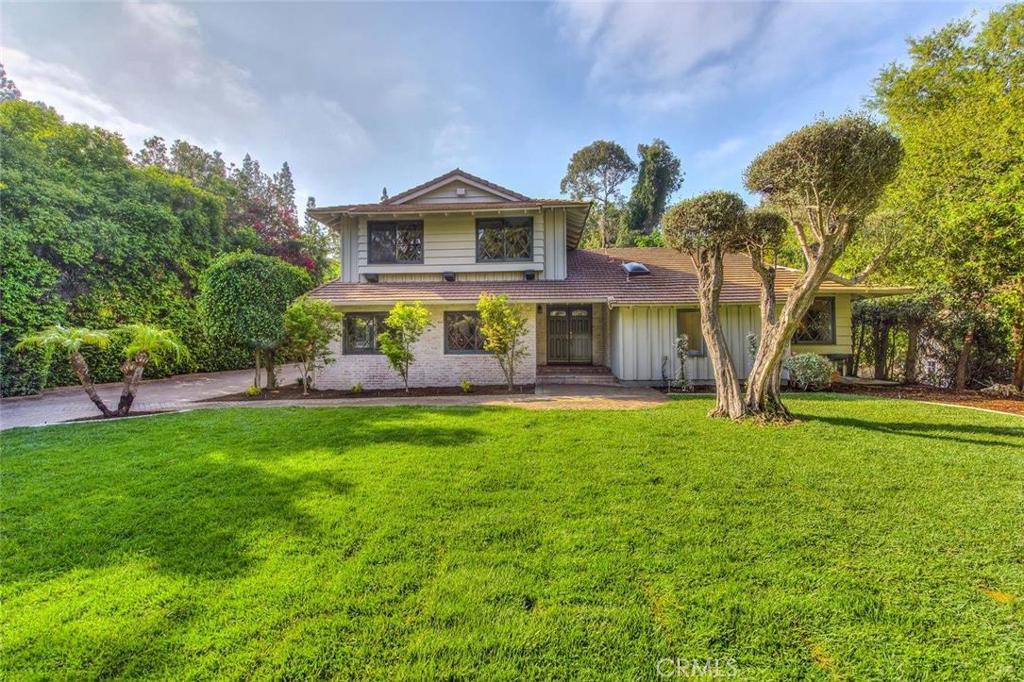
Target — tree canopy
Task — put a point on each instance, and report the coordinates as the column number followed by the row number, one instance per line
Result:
column 597, row 172
column 659, row 175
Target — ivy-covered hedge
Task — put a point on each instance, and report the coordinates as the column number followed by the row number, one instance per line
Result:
column 88, row 239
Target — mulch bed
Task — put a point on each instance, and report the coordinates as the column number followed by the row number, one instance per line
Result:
column 294, row 392
column 938, row 395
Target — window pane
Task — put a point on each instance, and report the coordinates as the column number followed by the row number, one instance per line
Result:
column 689, row 324
column 361, row 331
column 382, row 242
column 818, row 325
column 504, row 239
column 462, row 333
column 517, row 238
column 409, row 243
column 489, row 241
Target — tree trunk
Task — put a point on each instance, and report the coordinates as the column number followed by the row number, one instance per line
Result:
column 256, row 378
column 1018, row 365
column 304, row 368
column 913, row 341
column 858, row 349
column 964, row 361
column 727, row 384
column 81, row 369
column 880, row 343
column 271, row 370
column 762, row 398
column 132, row 371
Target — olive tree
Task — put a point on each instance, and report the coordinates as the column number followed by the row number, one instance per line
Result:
column 405, row 324
column 503, row 326
column 243, row 297
column 706, row 227
column 826, row 178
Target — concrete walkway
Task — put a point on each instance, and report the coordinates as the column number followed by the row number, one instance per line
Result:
column 185, row 393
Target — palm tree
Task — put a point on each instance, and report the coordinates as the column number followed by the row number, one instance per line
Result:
column 147, row 344
column 69, row 341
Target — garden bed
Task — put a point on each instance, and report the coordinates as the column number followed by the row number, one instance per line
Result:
column 938, row 395
column 294, row 392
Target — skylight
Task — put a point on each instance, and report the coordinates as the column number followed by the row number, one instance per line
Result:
column 634, row 268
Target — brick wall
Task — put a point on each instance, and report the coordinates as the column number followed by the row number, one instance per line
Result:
column 432, row 366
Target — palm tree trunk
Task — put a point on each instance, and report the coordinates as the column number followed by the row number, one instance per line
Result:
column 132, row 371
column 81, row 369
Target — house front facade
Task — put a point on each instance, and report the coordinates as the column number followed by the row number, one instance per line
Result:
column 595, row 315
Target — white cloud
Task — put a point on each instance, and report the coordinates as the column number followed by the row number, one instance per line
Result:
column 661, row 57
column 69, row 92
column 723, row 150
column 454, row 144
column 325, row 123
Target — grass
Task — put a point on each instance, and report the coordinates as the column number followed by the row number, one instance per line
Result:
column 874, row 540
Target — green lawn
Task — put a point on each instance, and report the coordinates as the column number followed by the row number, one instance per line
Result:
column 874, row 540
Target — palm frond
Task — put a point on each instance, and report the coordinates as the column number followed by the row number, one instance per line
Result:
column 67, row 339
column 154, row 341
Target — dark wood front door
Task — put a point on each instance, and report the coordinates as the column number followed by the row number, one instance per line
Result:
column 569, row 335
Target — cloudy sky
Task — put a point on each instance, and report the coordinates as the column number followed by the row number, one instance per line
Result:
column 356, row 96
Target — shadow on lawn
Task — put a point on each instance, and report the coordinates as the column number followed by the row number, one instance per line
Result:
column 194, row 505
column 968, row 434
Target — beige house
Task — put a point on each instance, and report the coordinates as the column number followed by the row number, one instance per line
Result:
column 598, row 316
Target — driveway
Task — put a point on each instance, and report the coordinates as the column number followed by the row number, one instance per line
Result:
column 186, row 391
column 174, row 393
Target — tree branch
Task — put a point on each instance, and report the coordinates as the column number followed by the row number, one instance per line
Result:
column 868, row 269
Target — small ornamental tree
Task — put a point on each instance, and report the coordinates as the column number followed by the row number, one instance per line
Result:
column 826, row 178
column 309, row 327
column 706, row 227
column 68, row 341
column 405, row 324
column 503, row 326
column 146, row 344
column 243, row 298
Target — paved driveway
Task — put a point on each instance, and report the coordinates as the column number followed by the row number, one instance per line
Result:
column 185, row 392
column 70, row 402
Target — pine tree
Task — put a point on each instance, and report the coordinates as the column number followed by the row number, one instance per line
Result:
column 8, row 90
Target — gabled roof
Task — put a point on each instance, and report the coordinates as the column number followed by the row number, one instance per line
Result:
column 593, row 276
column 455, row 174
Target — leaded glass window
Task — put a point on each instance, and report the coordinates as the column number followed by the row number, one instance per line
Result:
column 819, row 324
column 396, row 242
column 462, row 333
column 504, row 239
column 361, row 331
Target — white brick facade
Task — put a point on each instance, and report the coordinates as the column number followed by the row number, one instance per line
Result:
column 432, row 366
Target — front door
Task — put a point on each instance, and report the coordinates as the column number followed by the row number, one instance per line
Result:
column 569, row 332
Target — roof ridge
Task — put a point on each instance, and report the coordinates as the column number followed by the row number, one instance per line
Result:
column 451, row 174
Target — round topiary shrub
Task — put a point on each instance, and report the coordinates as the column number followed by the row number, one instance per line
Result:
column 809, row 371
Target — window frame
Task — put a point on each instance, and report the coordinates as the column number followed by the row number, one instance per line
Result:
column 703, row 352
column 393, row 225
column 346, row 348
column 832, row 327
column 505, row 225
column 448, row 350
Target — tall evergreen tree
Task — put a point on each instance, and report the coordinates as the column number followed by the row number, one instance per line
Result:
column 659, row 176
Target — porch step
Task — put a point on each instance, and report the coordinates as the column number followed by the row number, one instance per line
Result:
column 562, row 375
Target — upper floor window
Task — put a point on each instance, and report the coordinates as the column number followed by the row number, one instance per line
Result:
column 504, row 239
column 819, row 324
column 688, row 322
column 462, row 333
column 360, row 332
column 395, row 242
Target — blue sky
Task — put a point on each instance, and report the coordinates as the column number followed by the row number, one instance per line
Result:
column 360, row 96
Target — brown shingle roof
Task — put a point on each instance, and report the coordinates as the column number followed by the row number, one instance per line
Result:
column 325, row 211
column 451, row 174
column 593, row 276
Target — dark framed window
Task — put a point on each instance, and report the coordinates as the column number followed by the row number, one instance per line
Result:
column 504, row 239
column 819, row 324
column 395, row 241
column 360, row 332
column 462, row 333
column 688, row 322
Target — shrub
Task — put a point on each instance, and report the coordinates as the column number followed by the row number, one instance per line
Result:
column 253, row 391
column 466, row 386
column 809, row 371
column 357, row 388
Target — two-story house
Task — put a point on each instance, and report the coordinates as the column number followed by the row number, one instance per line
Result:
column 612, row 312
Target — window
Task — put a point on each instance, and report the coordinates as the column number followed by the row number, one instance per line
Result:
column 361, row 331
column 396, row 242
column 504, row 239
column 689, row 324
column 819, row 324
column 462, row 333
